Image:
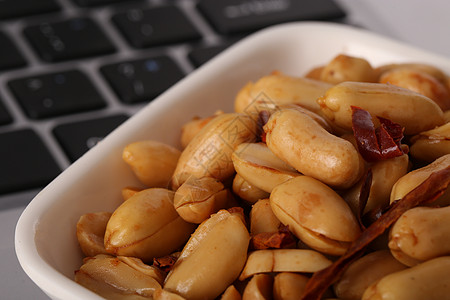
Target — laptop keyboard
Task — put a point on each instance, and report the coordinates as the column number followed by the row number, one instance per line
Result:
column 73, row 70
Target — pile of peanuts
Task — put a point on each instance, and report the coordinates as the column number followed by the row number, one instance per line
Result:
column 284, row 163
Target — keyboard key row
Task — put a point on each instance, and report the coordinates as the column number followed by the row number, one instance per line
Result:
column 231, row 16
column 70, row 39
column 10, row 56
column 82, row 37
column 22, row 8
column 155, row 26
column 142, row 80
column 25, row 161
column 78, row 137
column 54, row 94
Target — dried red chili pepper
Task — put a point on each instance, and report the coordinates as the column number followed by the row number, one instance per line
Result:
column 376, row 144
column 263, row 118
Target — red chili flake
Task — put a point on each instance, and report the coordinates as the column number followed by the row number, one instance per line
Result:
column 165, row 263
column 428, row 191
column 263, row 118
column 364, row 196
column 376, row 144
column 280, row 239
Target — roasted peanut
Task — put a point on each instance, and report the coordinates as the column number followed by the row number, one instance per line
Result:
column 315, row 214
column 209, row 153
column 152, row 162
column 128, row 192
column 319, row 119
column 289, row 286
column 262, row 218
column 146, row 226
column 247, row 191
column 283, row 260
column 425, row 68
column 91, row 232
column 432, row 144
column 365, row 271
column 215, row 253
column 420, row 234
column 428, row 280
column 260, row 167
column 385, row 174
column 348, row 68
column 198, row 198
column 302, row 143
column 259, row 288
column 315, row 73
column 278, row 89
column 411, row 110
column 191, row 128
column 412, row 179
column 113, row 278
column 231, row 293
column 140, row 266
column 420, row 82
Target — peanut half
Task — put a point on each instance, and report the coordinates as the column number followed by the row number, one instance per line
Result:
column 432, row 144
column 113, row 278
column 283, row 260
column 146, row 226
column 198, row 198
column 348, row 68
column 315, row 214
column 152, row 162
column 428, row 280
column 260, row 167
column 420, row 234
column 91, row 229
column 212, row 258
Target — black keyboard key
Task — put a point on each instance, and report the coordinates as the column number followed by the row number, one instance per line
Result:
column 155, row 26
column 70, row 39
column 55, row 94
column 96, row 2
column 77, row 138
column 20, row 8
column 199, row 56
column 25, row 162
column 5, row 118
column 10, row 56
column 234, row 16
column 142, row 80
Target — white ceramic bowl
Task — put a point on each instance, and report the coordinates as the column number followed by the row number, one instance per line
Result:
column 45, row 238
